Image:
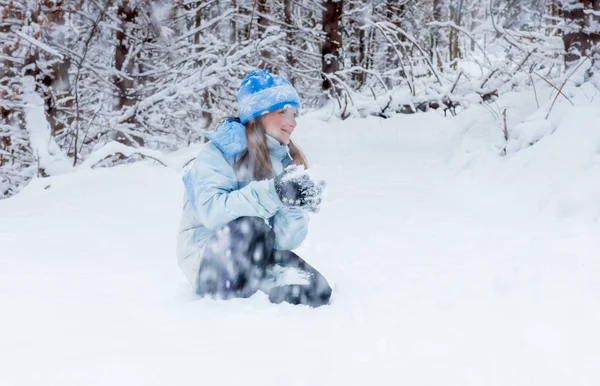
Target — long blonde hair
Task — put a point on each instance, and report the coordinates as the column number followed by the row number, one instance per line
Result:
column 256, row 158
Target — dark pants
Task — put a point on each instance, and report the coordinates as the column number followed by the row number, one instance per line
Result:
column 240, row 260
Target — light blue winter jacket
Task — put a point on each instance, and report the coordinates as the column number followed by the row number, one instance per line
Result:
column 216, row 193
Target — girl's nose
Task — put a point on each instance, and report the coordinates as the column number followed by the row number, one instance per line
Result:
column 290, row 121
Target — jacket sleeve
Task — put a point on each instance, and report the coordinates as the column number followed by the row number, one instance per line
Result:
column 211, row 188
column 291, row 227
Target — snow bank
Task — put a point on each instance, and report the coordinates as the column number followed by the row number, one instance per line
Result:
column 451, row 264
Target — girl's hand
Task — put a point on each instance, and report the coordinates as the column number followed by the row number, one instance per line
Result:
column 295, row 188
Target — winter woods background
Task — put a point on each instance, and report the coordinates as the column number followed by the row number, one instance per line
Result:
column 101, row 82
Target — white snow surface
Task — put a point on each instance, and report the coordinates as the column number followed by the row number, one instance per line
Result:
column 451, row 265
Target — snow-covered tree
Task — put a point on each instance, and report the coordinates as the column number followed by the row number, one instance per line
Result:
column 99, row 77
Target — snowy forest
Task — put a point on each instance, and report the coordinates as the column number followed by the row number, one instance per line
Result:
column 111, row 81
column 431, row 213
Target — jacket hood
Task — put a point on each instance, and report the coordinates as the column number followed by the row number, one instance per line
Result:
column 230, row 139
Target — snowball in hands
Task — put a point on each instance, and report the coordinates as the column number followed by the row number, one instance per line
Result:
column 295, row 188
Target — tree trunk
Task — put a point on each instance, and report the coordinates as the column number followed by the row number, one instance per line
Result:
column 436, row 34
column 288, row 11
column 368, row 49
column 124, row 64
column 453, row 44
column 245, row 13
column 58, row 98
column 207, row 116
column 581, row 33
column 234, row 33
column 475, row 10
column 395, row 14
column 263, row 24
column 8, row 70
column 197, row 24
column 330, row 49
column 355, row 45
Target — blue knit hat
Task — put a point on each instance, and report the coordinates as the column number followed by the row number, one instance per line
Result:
column 261, row 92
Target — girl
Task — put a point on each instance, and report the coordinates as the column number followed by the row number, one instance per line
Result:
column 245, row 203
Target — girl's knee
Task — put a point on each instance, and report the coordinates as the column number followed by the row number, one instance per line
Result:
column 249, row 223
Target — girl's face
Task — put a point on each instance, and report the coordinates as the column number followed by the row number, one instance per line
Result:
column 280, row 124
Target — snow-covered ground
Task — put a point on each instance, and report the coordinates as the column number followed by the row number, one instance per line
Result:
column 451, row 265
